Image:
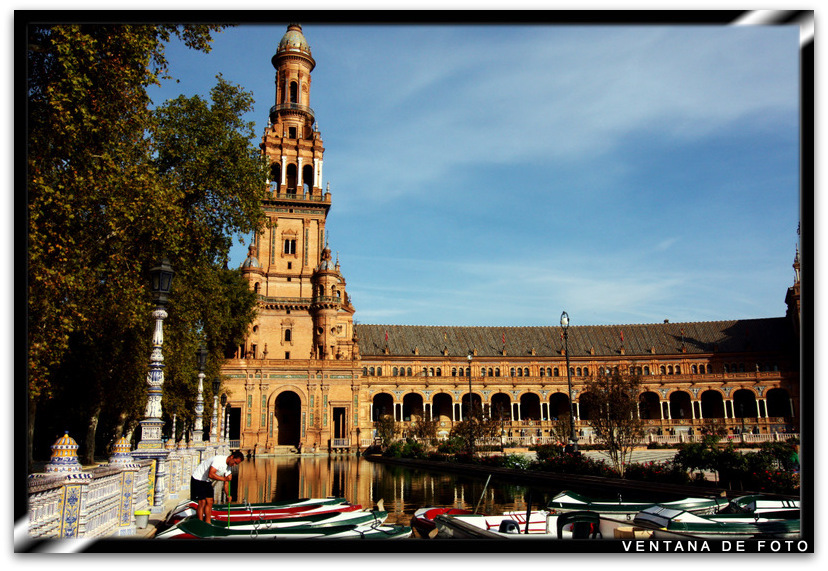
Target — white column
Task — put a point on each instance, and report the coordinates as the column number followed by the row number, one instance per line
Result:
column 284, row 170
column 298, row 173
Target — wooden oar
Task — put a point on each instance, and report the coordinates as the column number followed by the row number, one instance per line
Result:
column 483, row 494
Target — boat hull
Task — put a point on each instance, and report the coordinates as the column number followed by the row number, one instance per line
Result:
column 197, row 529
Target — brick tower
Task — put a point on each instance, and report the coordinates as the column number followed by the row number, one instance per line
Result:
column 304, row 325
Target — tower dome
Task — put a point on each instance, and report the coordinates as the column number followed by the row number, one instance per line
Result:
column 251, row 261
column 294, row 40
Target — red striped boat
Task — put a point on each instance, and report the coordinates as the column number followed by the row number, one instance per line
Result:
column 272, row 510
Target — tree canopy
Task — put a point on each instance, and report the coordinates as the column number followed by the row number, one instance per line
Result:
column 113, row 186
column 611, row 399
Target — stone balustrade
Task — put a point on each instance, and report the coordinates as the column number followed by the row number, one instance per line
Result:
column 68, row 501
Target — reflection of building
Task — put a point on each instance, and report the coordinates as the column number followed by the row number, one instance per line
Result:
column 307, row 375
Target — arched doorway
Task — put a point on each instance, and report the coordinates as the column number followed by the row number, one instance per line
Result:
column 287, row 419
column 530, row 407
column 712, row 404
column 558, row 406
column 477, row 405
column 585, row 409
column 680, row 406
column 441, row 409
column 744, row 404
column 412, row 406
column 779, row 403
column 383, row 405
column 501, row 407
column 649, row 407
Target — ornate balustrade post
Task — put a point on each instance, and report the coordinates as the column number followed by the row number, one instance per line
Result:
column 121, row 458
column 65, row 517
column 151, row 446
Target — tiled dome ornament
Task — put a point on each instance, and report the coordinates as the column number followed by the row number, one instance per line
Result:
column 121, row 453
column 64, row 457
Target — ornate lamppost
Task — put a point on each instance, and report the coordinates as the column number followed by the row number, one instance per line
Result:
column 214, row 425
column 573, row 440
column 469, row 425
column 151, row 446
column 226, row 419
column 152, row 424
column 198, row 437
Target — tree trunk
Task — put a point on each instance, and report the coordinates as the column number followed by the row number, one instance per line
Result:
column 30, row 431
column 118, row 431
column 91, row 431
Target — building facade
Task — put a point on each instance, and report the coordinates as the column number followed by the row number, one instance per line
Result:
column 308, row 377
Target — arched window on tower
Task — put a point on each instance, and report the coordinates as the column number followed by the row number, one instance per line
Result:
column 288, row 335
column 294, row 92
column 307, row 178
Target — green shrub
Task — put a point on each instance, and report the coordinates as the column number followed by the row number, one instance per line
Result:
column 454, row 445
column 662, row 472
column 576, row 464
column 512, row 461
column 546, row 451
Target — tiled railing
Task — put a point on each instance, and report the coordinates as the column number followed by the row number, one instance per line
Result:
column 67, row 501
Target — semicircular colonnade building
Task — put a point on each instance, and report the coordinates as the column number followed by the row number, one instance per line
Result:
column 308, row 376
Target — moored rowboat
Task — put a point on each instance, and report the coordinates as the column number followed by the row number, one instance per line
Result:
column 196, row 529
column 360, row 517
column 423, row 519
column 246, row 511
column 725, row 526
column 568, row 501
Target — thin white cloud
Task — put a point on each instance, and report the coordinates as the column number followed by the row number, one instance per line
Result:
column 467, row 100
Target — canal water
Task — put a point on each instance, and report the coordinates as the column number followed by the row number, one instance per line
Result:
column 402, row 490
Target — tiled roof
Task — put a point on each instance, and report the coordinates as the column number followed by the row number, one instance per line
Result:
column 737, row 336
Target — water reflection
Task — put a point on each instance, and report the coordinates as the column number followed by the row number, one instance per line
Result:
column 362, row 482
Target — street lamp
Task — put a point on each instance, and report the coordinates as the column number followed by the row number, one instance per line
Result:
column 468, row 412
column 225, row 415
column 214, row 426
column 565, row 324
column 161, row 285
column 201, row 355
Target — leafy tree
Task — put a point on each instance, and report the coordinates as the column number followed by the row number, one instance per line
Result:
column 612, row 399
column 387, row 429
column 475, row 428
column 560, row 430
column 423, row 428
column 112, row 186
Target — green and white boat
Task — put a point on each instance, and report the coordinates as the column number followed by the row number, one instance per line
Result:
column 663, row 519
column 568, row 501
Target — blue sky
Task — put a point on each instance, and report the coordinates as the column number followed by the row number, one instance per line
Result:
column 498, row 175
